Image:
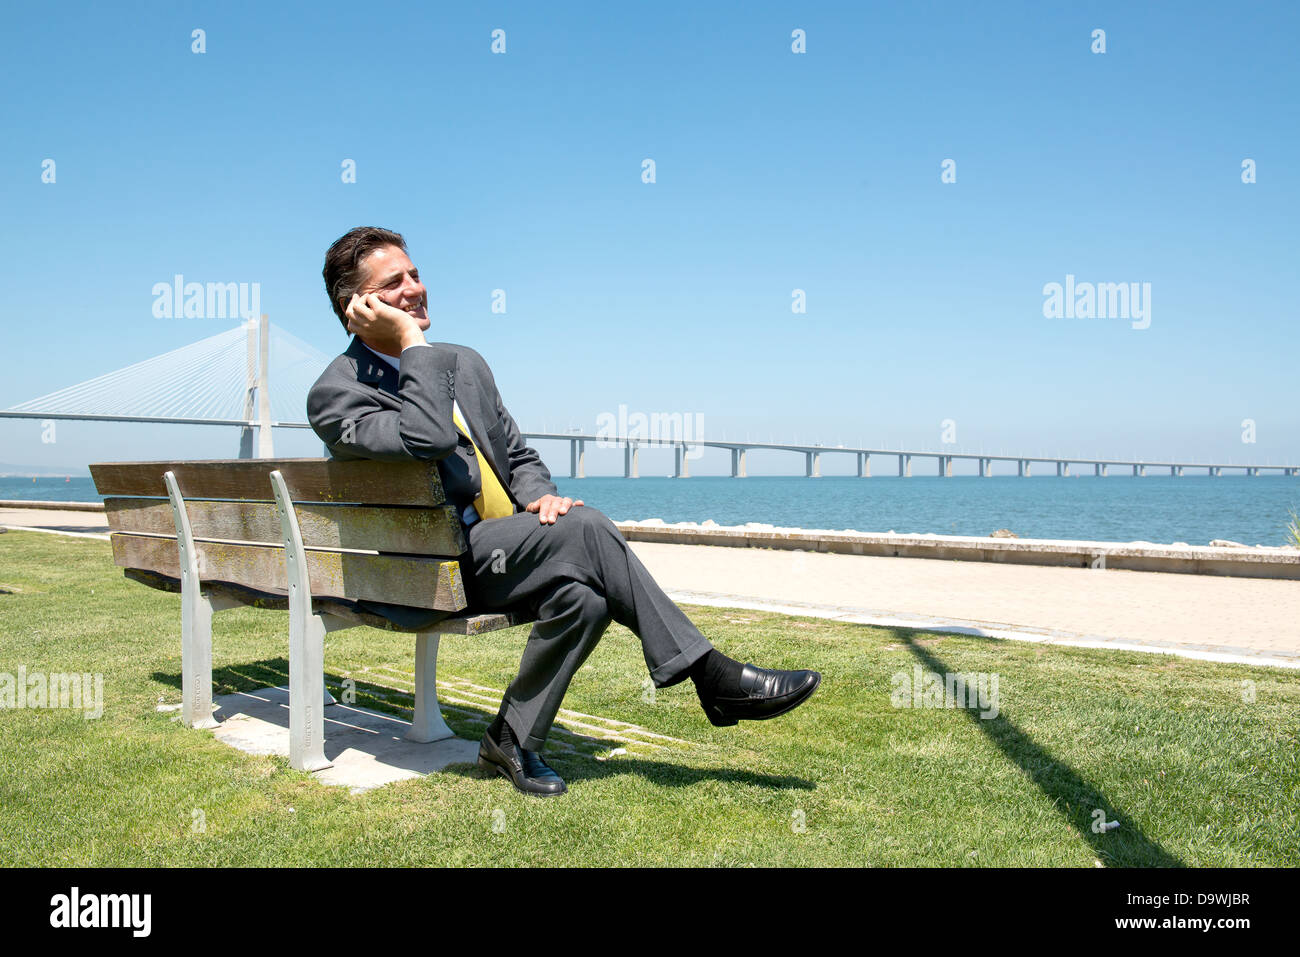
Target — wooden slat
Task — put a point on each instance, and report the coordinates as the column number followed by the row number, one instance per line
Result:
column 308, row 480
column 396, row 579
column 419, row 531
column 483, row 623
column 464, row 623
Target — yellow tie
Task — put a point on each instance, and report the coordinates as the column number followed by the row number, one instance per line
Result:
column 492, row 501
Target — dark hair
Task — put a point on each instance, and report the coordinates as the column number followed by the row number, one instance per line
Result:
column 342, row 270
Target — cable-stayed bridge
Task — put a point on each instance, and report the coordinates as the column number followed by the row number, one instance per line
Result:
column 256, row 376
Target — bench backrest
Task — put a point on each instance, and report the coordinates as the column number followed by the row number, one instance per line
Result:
column 379, row 531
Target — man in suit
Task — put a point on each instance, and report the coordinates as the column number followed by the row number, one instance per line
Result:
column 393, row 396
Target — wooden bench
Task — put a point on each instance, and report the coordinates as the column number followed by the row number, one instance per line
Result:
column 339, row 544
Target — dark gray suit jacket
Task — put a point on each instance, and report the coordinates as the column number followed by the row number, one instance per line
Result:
column 362, row 409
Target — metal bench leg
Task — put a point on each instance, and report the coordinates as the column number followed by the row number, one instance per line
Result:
column 196, row 620
column 306, row 645
column 427, row 724
column 196, row 656
column 306, row 693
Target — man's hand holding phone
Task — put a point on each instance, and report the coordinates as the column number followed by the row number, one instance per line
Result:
column 384, row 328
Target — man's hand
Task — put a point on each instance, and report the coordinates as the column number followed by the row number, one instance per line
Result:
column 549, row 506
column 384, row 328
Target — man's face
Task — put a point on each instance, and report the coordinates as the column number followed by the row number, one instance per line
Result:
column 391, row 276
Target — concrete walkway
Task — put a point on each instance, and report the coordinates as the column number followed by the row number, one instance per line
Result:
column 1201, row 616
column 55, row 520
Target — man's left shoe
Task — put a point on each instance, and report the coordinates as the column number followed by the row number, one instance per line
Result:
column 766, row 694
column 525, row 769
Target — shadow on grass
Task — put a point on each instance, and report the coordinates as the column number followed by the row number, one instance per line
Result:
column 577, row 768
column 579, row 765
column 1061, row 784
column 274, row 673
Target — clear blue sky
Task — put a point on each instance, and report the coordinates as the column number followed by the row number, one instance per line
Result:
column 775, row 171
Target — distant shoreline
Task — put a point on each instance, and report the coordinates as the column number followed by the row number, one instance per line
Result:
column 1160, row 509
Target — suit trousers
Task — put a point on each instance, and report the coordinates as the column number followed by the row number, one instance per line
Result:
column 575, row 576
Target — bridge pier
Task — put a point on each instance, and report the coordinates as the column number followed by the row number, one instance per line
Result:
column 681, row 464
column 1024, row 468
column 577, row 458
column 864, row 465
column 1062, row 469
column 943, row 462
column 1252, row 472
column 737, row 463
column 904, row 466
column 984, row 467
column 630, row 461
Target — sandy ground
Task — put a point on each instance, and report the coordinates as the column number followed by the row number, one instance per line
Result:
column 1251, row 619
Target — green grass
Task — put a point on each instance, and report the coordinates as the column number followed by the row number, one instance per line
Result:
column 1196, row 774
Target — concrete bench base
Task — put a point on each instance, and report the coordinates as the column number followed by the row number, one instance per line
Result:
column 365, row 749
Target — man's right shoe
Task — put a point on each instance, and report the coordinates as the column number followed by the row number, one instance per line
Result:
column 765, row 694
column 525, row 769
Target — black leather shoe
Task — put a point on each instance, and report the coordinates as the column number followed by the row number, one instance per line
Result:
column 525, row 769
column 766, row 694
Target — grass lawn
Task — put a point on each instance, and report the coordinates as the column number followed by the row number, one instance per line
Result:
column 1195, row 772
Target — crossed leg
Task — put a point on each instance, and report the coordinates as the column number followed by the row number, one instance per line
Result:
column 576, row 575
